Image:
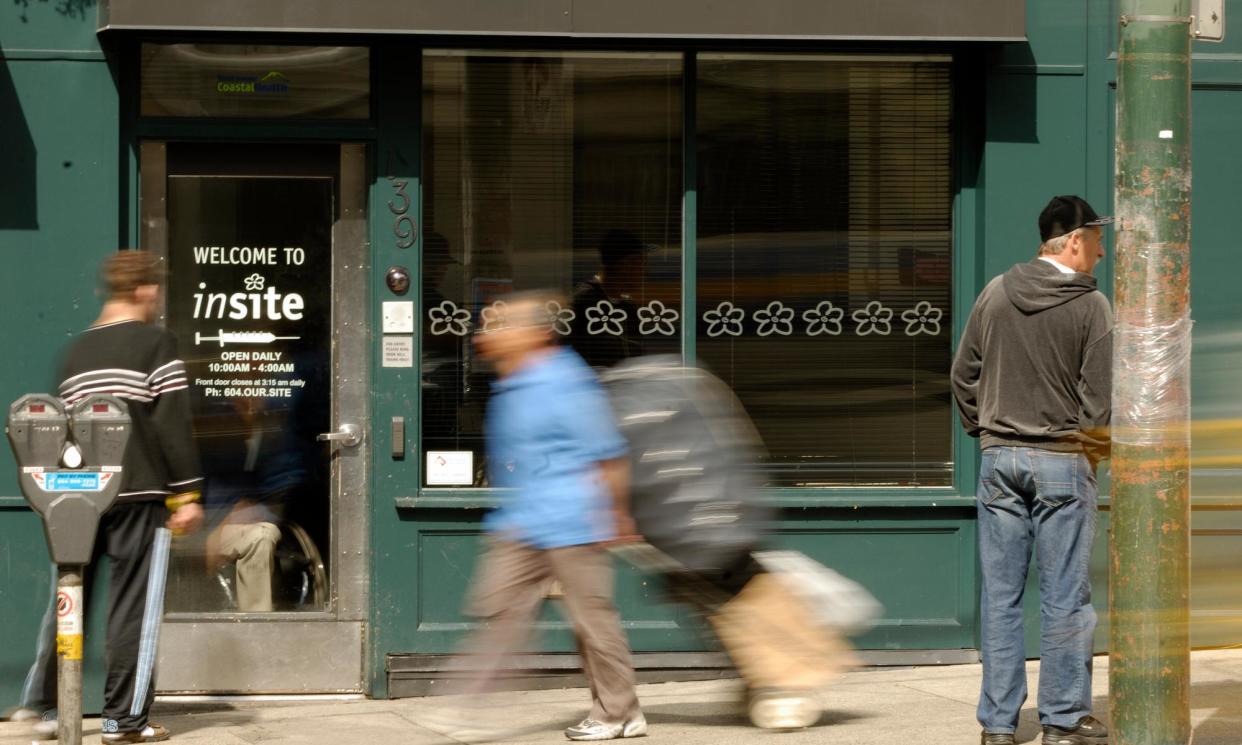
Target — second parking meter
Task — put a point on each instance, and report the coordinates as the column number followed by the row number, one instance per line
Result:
column 69, row 468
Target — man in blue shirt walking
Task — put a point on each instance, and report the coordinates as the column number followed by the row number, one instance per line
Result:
column 553, row 445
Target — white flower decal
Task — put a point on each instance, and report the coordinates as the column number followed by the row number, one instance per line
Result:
column 493, row 316
column 447, row 318
column 922, row 319
column 725, row 318
column 777, row 318
column 255, row 282
column 824, row 318
column 560, row 317
column 874, row 318
column 655, row 318
column 605, row 318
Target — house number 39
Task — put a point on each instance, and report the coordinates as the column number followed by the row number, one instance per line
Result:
column 402, row 225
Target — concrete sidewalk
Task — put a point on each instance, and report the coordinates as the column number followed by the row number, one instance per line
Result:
column 880, row 706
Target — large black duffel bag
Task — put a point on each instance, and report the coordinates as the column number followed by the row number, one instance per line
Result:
column 693, row 493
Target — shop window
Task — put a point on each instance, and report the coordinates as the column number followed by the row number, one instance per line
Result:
column 255, row 81
column 543, row 170
column 824, row 261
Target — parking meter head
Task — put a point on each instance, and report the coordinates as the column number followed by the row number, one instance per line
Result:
column 37, row 428
column 69, row 466
column 101, row 428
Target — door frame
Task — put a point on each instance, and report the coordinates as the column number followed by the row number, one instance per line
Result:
column 293, row 652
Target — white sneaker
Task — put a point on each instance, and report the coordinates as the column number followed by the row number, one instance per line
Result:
column 784, row 711
column 22, row 714
column 45, row 728
column 150, row 733
column 589, row 729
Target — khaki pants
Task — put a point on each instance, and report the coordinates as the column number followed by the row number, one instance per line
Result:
column 509, row 587
column 252, row 546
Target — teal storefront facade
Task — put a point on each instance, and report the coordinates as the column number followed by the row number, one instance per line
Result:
column 818, row 215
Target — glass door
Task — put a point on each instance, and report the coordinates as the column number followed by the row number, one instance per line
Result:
column 266, row 258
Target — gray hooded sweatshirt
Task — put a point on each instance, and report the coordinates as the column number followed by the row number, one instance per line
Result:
column 1034, row 366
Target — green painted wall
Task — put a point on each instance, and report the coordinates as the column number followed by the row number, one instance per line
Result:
column 1034, row 120
column 59, row 215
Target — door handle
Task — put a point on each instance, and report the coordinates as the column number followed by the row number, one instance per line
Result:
column 349, row 435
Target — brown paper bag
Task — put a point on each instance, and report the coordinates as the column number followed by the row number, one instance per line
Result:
column 771, row 637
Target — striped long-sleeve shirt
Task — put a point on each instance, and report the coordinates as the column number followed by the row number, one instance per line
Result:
column 138, row 363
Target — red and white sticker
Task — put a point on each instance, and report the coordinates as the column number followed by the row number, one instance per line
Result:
column 69, row 611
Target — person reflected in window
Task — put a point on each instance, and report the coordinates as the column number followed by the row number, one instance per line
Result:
column 605, row 324
column 247, row 534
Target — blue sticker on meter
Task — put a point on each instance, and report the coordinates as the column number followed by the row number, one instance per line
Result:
column 72, row 481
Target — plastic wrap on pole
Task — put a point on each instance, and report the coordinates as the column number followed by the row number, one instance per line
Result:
column 1152, row 381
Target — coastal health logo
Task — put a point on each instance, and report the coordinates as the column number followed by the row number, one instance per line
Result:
column 273, row 83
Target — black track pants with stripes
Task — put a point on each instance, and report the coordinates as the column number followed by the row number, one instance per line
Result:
column 133, row 537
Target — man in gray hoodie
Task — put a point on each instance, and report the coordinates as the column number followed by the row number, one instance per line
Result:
column 1033, row 381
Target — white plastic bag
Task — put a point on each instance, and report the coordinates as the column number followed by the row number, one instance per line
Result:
column 835, row 600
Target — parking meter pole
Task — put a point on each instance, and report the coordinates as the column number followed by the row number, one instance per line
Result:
column 69, row 618
column 70, row 473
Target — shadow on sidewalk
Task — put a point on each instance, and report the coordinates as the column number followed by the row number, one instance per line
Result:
column 726, row 714
column 1224, row 725
column 184, row 718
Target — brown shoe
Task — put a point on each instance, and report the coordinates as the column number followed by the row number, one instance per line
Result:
column 1088, row 731
column 151, row 733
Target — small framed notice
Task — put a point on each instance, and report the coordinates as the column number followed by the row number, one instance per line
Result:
column 450, row 468
column 398, row 351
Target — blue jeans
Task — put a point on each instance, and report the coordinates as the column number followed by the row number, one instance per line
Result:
column 1027, row 498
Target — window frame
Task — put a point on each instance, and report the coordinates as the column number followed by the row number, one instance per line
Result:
column 965, row 228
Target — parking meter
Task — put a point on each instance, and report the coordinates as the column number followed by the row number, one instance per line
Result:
column 69, row 468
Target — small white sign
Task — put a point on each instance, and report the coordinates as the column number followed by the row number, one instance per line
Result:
column 69, row 611
column 398, row 317
column 398, row 351
column 450, row 468
column 1209, row 18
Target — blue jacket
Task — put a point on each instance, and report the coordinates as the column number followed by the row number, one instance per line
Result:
column 548, row 426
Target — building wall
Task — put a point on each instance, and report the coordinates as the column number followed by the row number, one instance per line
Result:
column 1035, row 120
column 62, row 197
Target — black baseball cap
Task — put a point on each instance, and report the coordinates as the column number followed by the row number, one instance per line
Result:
column 1065, row 214
column 617, row 245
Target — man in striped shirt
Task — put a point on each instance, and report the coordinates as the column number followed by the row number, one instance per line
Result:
column 125, row 355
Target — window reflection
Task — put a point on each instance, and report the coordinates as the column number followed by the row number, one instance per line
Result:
column 824, row 245
column 556, row 170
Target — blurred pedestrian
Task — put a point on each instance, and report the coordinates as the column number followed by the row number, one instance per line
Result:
column 1033, row 381
column 123, row 354
column 551, row 440
column 697, row 503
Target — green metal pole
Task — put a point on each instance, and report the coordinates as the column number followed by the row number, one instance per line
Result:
column 1149, row 568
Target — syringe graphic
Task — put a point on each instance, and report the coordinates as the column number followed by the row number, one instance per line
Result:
column 242, row 337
